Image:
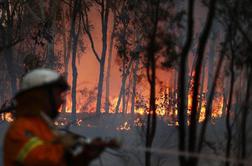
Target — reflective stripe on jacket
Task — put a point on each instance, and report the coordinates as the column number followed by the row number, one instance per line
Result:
column 28, row 147
column 30, row 142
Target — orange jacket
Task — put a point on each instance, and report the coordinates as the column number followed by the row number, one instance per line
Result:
column 30, row 142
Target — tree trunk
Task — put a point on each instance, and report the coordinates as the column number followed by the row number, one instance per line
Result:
column 107, row 102
column 123, row 83
column 9, row 55
column 104, row 22
column 66, row 54
column 173, row 99
column 124, row 88
column 211, row 55
column 51, row 21
column 74, row 40
column 151, row 117
column 151, row 75
column 134, row 85
column 11, row 70
column 127, row 91
column 100, row 87
column 244, row 110
column 201, row 91
column 182, row 83
column 211, row 95
column 200, row 54
column 228, row 125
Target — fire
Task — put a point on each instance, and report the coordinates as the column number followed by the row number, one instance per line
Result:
column 166, row 108
column 124, row 126
column 140, row 111
column 68, row 108
column 218, row 107
column 114, row 103
column 138, row 122
column 189, row 101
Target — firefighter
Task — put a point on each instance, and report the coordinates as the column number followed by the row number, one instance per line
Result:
column 32, row 139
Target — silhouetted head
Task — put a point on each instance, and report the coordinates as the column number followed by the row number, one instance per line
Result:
column 41, row 90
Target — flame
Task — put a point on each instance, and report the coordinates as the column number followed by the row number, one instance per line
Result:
column 124, row 126
column 68, row 108
column 189, row 101
column 218, row 107
column 114, row 103
column 138, row 122
column 140, row 111
column 166, row 107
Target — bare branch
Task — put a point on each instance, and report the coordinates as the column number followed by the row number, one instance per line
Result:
column 85, row 23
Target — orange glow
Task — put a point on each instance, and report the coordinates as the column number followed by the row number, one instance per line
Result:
column 166, row 108
column 189, row 101
column 218, row 107
column 124, row 126
column 114, row 102
column 138, row 122
column 140, row 111
column 68, row 108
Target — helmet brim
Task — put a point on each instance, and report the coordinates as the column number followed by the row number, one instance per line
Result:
column 59, row 83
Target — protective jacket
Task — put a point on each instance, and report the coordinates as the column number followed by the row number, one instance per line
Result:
column 30, row 141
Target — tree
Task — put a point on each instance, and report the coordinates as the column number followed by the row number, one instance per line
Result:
column 75, row 30
column 11, row 33
column 200, row 54
column 111, row 45
column 128, row 54
column 231, row 12
column 182, row 108
column 104, row 10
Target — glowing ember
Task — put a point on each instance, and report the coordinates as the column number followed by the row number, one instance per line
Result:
column 78, row 122
column 124, row 126
column 140, row 111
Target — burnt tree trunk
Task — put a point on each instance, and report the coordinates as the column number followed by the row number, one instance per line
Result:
column 104, row 22
column 201, row 91
column 8, row 51
column 134, row 84
column 228, row 125
column 66, row 51
column 211, row 96
column 123, row 84
column 74, row 39
column 200, row 54
column 182, row 108
column 244, row 115
column 107, row 102
column 151, row 76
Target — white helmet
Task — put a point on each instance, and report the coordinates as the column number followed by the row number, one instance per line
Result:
column 42, row 77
